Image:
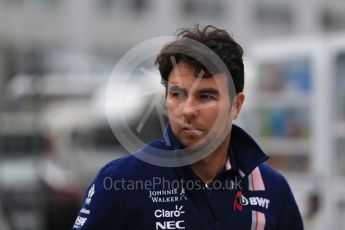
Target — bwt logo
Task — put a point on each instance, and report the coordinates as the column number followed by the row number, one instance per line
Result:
column 259, row 201
column 170, row 225
column 241, row 200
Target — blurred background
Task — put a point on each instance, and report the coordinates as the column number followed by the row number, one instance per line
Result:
column 55, row 60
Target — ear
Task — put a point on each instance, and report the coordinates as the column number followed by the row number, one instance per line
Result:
column 237, row 105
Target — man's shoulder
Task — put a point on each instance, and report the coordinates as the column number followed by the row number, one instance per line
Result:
column 282, row 198
column 130, row 167
column 122, row 167
column 272, row 177
column 120, row 164
column 275, row 185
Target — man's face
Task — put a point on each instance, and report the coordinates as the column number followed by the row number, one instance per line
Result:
column 199, row 108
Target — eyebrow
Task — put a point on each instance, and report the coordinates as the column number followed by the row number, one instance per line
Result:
column 213, row 91
column 175, row 88
column 209, row 91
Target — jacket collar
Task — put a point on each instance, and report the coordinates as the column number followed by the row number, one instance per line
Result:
column 248, row 154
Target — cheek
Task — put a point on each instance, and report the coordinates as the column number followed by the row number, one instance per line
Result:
column 171, row 108
column 169, row 105
column 217, row 114
column 211, row 114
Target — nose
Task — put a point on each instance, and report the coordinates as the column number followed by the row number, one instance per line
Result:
column 189, row 107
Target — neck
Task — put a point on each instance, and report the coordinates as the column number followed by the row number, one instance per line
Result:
column 209, row 167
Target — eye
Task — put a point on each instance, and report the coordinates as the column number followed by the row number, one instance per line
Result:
column 178, row 94
column 207, row 97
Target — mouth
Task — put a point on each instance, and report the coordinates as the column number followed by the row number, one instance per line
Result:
column 190, row 130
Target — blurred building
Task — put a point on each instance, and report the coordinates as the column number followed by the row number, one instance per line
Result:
column 56, row 55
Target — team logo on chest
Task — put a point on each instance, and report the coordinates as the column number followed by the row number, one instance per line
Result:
column 167, row 196
column 240, row 201
column 170, row 218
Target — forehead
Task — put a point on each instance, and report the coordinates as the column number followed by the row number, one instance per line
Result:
column 183, row 75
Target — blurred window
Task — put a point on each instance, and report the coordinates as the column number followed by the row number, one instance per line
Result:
column 133, row 6
column 203, row 8
column 100, row 137
column 273, row 14
column 340, row 87
column 103, row 137
column 333, row 18
column 75, row 63
column 48, row 3
column 30, row 61
column 22, row 144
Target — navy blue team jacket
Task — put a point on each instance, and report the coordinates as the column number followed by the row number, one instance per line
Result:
column 130, row 194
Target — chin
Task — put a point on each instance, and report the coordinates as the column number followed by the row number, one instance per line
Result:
column 195, row 144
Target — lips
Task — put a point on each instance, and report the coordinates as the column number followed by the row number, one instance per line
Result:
column 190, row 130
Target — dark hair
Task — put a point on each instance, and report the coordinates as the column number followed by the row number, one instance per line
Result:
column 219, row 41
